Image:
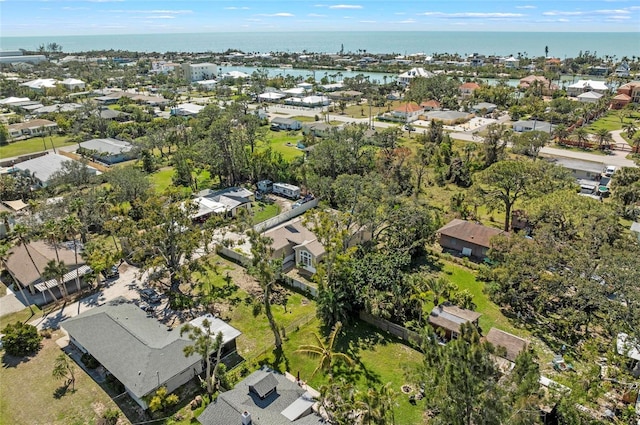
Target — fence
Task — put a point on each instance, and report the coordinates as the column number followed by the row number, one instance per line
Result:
column 403, row 333
column 234, row 255
column 285, row 216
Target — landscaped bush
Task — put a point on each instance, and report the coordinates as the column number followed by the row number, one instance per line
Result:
column 21, row 339
column 89, row 361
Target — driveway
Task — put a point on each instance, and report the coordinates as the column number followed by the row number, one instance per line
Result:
column 127, row 285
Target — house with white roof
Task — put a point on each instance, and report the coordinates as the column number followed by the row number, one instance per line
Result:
column 32, row 128
column 186, row 110
column 226, row 201
column 271, row 97
column 73, row 84
column 589, row 97
column 40, row 84
column 109, row 150
column 583, row 86
column 406, row 77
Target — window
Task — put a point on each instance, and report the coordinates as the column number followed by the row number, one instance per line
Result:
column 305, row 259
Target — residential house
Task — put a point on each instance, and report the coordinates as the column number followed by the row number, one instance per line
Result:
column 511, row 344
column 271, row 96
column 511, row 63
column 583, row 86
column 110, row 151
column 406, row 77
column 43, row 168
column 346, row 95
column 623, row 70
column 207, row 84
column 449, row 117
column 265, row 397
column 630, row 348
column 476, row 60
column 57, row 108
column 186, row 110
column 73, row 84
column 619, row 101
column 546, row 87
column 20, row 266
column 32, row 128
column 467, row 89
column 589, row 97
column 530, row 125
column 286, row 124
column 308, row 101
column 296, row 245
column 632, row 90
column 226, row 201
column 447, row 319
column 192, row 72
column 318, row 129
column 467, row 238
column 581, row 169
column 431, row 105
column 41, row 84
column 483, row 108
column 113, row 115
column 163, row 67
column 407, row 112
column 139, row 351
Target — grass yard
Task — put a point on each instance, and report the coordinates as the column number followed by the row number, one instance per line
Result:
column 304, row 118
column 610, row 121
column 379, row 358
column 284, row 142
column 20, row 316
column 263, row 211
column 162, row 179
column 362, row 110
column 24, row 147
column 29, row 392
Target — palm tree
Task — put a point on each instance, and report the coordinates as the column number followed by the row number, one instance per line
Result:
column 582, row 136
column 324, row 350
column 604, row 137
column 440, row 288
column 70, row 226
column 52, row 233
column 630, row 128
column 561, row 132
column 23, row 234
column 56, row 270
column 64, row 369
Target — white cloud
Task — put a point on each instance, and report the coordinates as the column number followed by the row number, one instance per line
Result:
column 345, row 6
column 236, row 8
column 526, row 6
column 368, row 22
column 161, row 17
column 316, row 15
column 619, row 17
column 562, row 13
column 278, row 15
column 473, row 15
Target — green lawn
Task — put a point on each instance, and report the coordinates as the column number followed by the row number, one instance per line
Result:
column 263, row 211
column 20, row 316
column 379, row 358
column 29, row 392
column 162, row 179
column 23, row 147
column 610, row 121
column 491, row 314
column 284, row 142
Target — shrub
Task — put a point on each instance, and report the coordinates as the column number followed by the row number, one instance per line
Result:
column 46, row 333
column 21, row 339
column 111, row 416
column 89, row 361
column 161, row 400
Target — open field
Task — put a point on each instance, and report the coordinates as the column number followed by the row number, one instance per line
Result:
column 611, row 121
column 23, row 147
column 263, row 211
column 30, row 395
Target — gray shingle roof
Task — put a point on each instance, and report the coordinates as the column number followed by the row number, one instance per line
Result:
column 264, row 385
column 107, row 146
column 139, row 351
column 229, row 406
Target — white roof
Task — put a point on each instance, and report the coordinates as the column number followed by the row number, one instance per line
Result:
column 110, row 146
column 206, row 82
column 271, row 95
column 628, row 347
column 590, row 95
column 295, row 90
column 315, row 99
column 40, row 83
column 229, row 333
column 596, row 85
column 44, row 166
column 190, row 108
column 416, row 72
column 235, row 74
column 299, row 408
column 69, row 81
column 12, row 99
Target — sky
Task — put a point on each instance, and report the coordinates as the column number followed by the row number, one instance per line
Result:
column 83, row 17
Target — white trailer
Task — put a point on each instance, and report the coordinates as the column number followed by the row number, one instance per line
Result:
column 286, row 190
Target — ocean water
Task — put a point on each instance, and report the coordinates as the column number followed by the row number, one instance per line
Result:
column 560, row 44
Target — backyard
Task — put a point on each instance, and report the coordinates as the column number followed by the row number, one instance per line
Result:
column 30, row 395
column 36, row 144
column 284, row 142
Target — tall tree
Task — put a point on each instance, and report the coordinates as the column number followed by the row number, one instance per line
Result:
column 56, row 270
column 265, row 270
column 23, row 235
column 70, row 227
column 205, row 343
column 5, row 247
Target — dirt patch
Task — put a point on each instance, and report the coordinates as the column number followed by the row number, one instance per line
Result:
column 240, row 277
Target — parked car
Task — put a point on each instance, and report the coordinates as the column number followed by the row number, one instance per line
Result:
column 111, row 273
column 150, row 296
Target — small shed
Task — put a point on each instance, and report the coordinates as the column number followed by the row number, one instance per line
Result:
column 512, row 344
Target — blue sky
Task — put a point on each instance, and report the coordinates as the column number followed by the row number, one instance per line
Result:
column 79, row 17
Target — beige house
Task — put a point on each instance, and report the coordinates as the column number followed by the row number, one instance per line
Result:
column 33, row 128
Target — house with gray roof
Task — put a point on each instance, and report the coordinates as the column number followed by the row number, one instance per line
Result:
column 448, row 318
column 265, row 397
column 44, row 167
column 109, row 151
column 139, row 351
column 226, row 201
column 530, row 125
column 281, row 123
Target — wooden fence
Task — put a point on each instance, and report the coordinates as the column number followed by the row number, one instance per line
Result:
column 401, row 332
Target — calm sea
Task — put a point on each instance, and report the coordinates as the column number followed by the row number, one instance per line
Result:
column 563, row 44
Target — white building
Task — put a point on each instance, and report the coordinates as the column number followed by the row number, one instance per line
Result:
column 583, row 86
column 72, row 84
column 186, row 110
column 199, row 71
column 40, row 84
column 406, row 77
